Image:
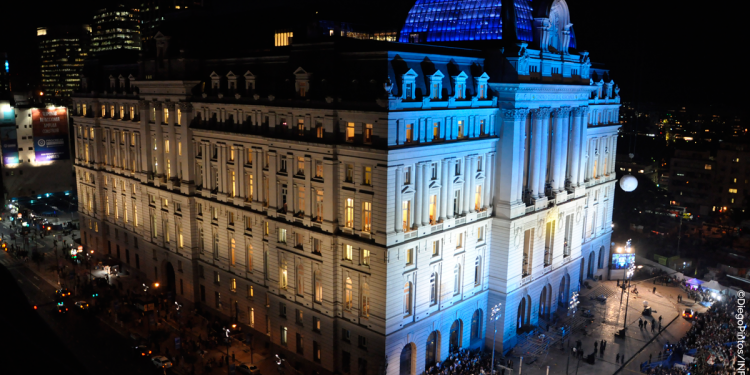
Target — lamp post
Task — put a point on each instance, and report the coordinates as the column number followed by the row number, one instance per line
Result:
column 629, row 274
column 228, row 341
column 91, row 266
column 495, row 315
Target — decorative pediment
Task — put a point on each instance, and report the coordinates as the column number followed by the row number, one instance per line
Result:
column 249, row 74
column 214, row 75
column 483, row 78
column 438, row 75
column 410, row 74
column 121, row 77
column 461, row 76
column 231, row 75
column 300, row 71
column 249, row 80
column 131, row 78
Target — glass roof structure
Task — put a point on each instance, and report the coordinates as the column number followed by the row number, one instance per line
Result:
column 459, row 20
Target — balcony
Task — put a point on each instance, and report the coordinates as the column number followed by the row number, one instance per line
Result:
column 547, row 269
column 525, row 280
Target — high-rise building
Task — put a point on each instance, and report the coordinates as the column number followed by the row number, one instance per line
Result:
column 62, row 49
column 4, row 72
column 362, row 203
column 152, row 13
column 115, row 28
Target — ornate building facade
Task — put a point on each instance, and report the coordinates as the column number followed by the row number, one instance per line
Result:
column 362, row 203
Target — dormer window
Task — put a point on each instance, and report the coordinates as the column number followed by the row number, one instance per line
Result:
column 231, row 80
column 482, row 87
column 215, row 80
column 302, row 81
column 409, row 85
column 112, row 82
column 460, row 88
column 249, row 81
column 436, row 85
column 122, row 82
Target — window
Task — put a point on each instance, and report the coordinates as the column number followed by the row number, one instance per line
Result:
column 283, row 274
column 316, row 324
column 410, row 256
column 348, row 250
column 436, row 131
column 217, row 300
column 367, row 176
column 348, row 294
column 458, row 167
column 300, row 283
column 480, row 234
column 406, row 215
column 232, row 247
column 251, row 318
column 282, row 235
column 409, row 133
column 318, row 169
column 433, row 209
column 528, row 250
column 316, row 351
column 233, row 285
column 460, row 241
column 365, row 307
column 301, row 165
column 300, row 339
column 217, row 277
column 407, row 298
column 434, row 288
column 283, row 336
column 732, row 191
column 367, row 216
column 250, row 291
column 301, row 122
column 349, row 170
column 230, row 218
column 349, row 213
column 282, row 164
column 350, row 132
column 435, row 248
column 319, row 206
column 318, row 285
column 365, row 257
column 368, row 134
column 460, row 129
column 319, row 130
column 407, row 175
column 477, row 271
column 456, row 279
column 248, row 256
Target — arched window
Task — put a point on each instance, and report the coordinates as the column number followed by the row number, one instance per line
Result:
column 476, row 325
column 348, row 294
column 431, row 352
column 433, row 288
column 365, row 308
column 318, row 285
column 300, row 280
column 601, row 257
column 457, row 279
column 407, row 298
column 478, row 271
column 406, row 359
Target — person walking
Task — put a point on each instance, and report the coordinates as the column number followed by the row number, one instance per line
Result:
column 596, row 346
column 653, row 326
column 645, row 324
column 640, row 323
column 654, row 290
column 617, row 358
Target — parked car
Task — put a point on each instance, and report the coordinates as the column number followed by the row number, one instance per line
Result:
column 248, row 369
column 62, row 292
column 161, row 361
column 82, row 305
column 61, row 308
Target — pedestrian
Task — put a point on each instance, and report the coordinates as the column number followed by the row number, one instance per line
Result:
column 605, row 346
column 654, row 290
column 640, row 323
column 659, row 319
column 596, row 346
column 645, row 324
column 652, row 327
column 659, row 326
column 617, row 358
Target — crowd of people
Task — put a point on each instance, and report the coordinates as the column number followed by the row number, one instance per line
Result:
column 713, row 336
column 469, row 362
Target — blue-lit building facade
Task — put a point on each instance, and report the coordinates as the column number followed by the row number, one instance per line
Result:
column 362, row 204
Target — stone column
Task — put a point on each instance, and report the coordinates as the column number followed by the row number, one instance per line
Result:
column 330, row 205
column 207, row 185
column 556, row 129
column 221, row 167
column 172, row 132
column 398, row 227
column 575, row 146
column 488, row 183
column 543, row 155
column 188, row 149
column 564, row 130
column 613, row 155
column 257, row 175
column 582, row 142
column 272, row 188
column 239, row 171
column 419, row 186
column 147, row 165
column 472, row 176
column 535, row 156
column 159, row 133
column 309, row 172
column 451, row 162
column 427, row 176
column 467, row 185
column 443, row 188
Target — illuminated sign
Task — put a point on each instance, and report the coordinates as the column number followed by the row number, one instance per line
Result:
column 50, row 128
column 622, row 261
column 9, row 144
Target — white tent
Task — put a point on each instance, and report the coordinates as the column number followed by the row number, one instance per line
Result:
column 713, row 285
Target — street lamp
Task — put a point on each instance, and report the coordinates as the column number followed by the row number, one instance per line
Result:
column 226, row 331
column 495, row 315
column 629, row 274
column 91, row 266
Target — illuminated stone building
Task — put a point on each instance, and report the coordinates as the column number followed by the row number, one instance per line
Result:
column 362, row 203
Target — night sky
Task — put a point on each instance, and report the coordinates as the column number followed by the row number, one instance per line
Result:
column 672, row 53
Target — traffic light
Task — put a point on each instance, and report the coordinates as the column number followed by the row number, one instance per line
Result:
column 95, row 295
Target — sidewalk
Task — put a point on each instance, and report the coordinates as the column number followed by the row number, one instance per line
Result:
column 609, row 318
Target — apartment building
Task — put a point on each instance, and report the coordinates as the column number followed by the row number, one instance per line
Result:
column 365, row 204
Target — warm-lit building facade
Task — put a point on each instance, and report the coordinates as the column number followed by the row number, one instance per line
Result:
column 62, row 50
column 364, row 204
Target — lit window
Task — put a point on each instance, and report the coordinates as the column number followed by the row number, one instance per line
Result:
column 367, row 180
column 365, row 257
column 367, row 216
column 350, row 132
column 348, row 250
column 409, row 133
column 368, row 134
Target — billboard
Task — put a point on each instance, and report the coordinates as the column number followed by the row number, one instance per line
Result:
column 9, row 144
column 50, row 129
column 622, row 261
column 7, row 114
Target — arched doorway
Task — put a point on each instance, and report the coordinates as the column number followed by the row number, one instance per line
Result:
column 476, row 326
column 591, row 265
column 171, row 287
column 601, row 257
column 406, row 360
column 580, row 277
column 545, row 300
column 456, row 333
column 431, row 354
column 523, row 311
column 563, row 294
